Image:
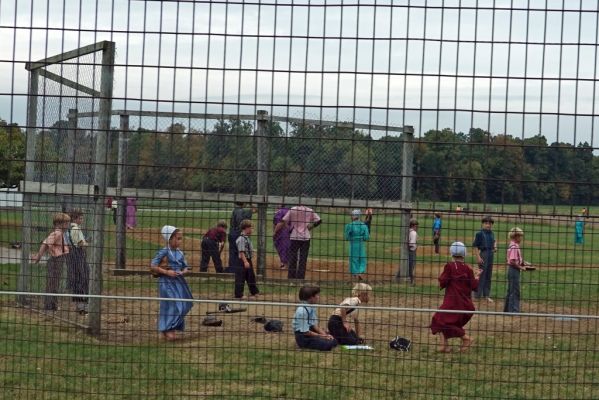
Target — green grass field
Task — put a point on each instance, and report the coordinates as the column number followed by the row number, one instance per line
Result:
column 513, row 357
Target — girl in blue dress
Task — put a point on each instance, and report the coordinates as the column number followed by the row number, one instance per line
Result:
column 170, row 266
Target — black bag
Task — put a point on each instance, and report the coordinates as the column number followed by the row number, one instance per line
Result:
column 400, row 344
column 211, row 320
column 274, row 325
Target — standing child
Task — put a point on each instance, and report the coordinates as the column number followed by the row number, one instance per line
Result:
column 485, row 243
column 246, row 272
column 412, row 246
column 171, row 283
column 308, row 335
column 515, row 265
column 437, row 231
column 212, row 247
column 338, row 325
column 57, row 246
column 459, row 281
column 357, row 233
column 77, row 266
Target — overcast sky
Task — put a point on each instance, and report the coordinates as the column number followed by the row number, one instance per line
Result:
column 523, row 67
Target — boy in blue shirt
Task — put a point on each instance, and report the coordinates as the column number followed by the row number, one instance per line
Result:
column 308, row 335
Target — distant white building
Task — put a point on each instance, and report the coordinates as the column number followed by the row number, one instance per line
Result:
column 11, row 198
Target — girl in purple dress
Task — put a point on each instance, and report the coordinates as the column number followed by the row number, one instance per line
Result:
column 281, row 238
column 130, row 211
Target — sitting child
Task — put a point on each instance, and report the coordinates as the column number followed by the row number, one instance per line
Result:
column 338, row 325
column 308, row 335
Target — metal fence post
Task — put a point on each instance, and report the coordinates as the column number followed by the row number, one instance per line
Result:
column 100, row 161
column 407, row 173
column 121, row 177
column 24, row 281
column 262, row 186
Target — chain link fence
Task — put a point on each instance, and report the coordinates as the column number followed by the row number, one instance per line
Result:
column 189, row 113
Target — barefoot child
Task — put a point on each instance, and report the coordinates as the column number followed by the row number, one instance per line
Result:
column 77, row 266
column 57, row 246
column 246, row 272
column 459, row 281
column 339, row 326
column 171, row 283
column 308, row 335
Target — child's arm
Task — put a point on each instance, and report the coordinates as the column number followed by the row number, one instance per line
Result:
column 344, row 319
column 357, row 326
column 246, row 263
column 318, row 331
column 43, row 249
column 159, row 266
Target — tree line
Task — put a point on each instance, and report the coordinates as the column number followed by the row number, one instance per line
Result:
column 321, row 161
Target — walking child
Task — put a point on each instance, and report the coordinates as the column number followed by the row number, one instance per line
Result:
column 412, row 246
column 357, row 233
column 515, row 264
column 213, row 243
column 339, row 326
column 308, row 335
column 246, row 272
column 459, row 280
column 437, row 223
column 77, row 266
column 485, row 243
column 57, row 246
column 170, row 266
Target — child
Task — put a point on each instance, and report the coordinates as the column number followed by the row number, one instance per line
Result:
column 437, row 231
column 308, row 335
column 412, row 246
column 358, row 232
column 171, row 283
column 77, row 266
column 212, row 246
column 57, row 246
column 459, row 281
column 246, row 272
column 515, row 265
column 485, row 243
column 339, row 326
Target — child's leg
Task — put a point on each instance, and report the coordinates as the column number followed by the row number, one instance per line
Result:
column 314, row 343
column 293, row 253
column 205, row 255
column 466, row 342
column 52, row 281
column 239, row 282
column 250, row 277
column 304, row 249
column 444, row 347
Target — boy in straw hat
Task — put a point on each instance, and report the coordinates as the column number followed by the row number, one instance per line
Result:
column 358, row 232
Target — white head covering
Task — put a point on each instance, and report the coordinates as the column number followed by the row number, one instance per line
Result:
column 457, row 249
column 167, row 232
column 356, row 213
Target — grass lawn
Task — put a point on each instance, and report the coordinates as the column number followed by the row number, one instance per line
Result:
column 513, row 357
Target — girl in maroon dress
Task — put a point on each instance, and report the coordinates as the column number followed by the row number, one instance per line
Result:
column 459, row 281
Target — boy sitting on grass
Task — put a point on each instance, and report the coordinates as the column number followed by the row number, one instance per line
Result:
column 308, row 335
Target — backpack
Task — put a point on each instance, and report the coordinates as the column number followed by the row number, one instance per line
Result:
column 400, row 344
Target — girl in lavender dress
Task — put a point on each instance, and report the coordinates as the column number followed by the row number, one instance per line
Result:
column 281, row 238
column 130, row 211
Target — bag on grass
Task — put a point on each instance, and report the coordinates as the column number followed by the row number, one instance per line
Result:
column 400, row 344
column 273, row 325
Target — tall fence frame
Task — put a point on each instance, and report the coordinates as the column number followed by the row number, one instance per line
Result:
column 98, row 188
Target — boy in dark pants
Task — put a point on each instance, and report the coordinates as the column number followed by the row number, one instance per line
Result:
column 212, row 246
column 58, row 248
column 246, row 272
column 308, row 335
column 485, row 243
